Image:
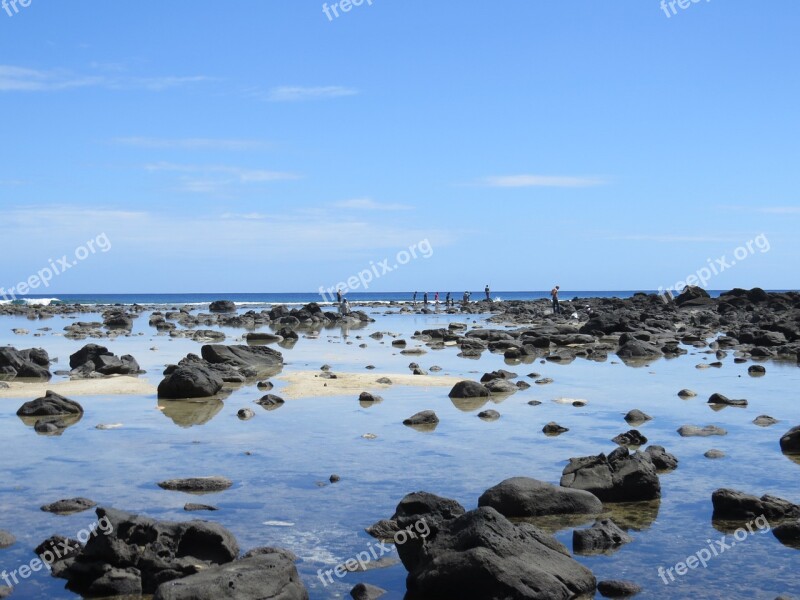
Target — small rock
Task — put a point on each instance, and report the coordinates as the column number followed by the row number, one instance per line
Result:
column 714, row 454
column 365, row 591
column 687, row 394
column 270, row 402
column 604, row 536
column 425, row 417
column 70, row 506
column 765, row 421
column 618, row 589
column 384, row 381
column 6, row 540
column 534, row 402
column 637, row 417
column 544, row 381
column 489, row 415
column 630, row 438
column 553, row 428
column 197, row 485
column 366, row 397
column 725, row 401
column 245, row 414
column 695, row 431
column 756, row 371
column 198, row 507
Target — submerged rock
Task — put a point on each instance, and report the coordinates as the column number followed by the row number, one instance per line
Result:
column 602, row 537
column 790, row 442
column 695, row 431
column 50, row 405
column 733, row 505
column 69, row 507
column 613, row 588
column 197, row 485
column 469, row 389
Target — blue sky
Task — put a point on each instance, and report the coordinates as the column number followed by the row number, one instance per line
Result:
column 259, row 146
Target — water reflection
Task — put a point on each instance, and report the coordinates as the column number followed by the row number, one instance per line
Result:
column 52, row 425
column 188, row 413
column 633, row 516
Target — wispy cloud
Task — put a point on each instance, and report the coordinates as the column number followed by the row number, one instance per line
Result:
column 369, row 204
column 191, row 143
column 21, row 79
column 298, row 93
column 217, row 179
column 669, row 239
column 519, row 181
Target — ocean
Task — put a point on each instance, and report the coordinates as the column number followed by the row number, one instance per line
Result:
column 300, row 298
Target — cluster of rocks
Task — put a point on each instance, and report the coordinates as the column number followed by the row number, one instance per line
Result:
column 135, row 555
column 33, row 363
column 639, row 329
column 780, row 516
column 206, row 375
column 93, row 362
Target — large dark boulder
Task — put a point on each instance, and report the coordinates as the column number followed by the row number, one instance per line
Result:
column 481, row 555
column 261, row 577
column 93, row 360
column 190, row 381
column 222, row 306
column 689, row 293
column 634, row 350
column 790, row 442
column 738, row 506
column 469, row 389
column 32, row 363
column 525, row 497
column 141, row 553
column 50, row 405
column 257, row 357
column 618, row 477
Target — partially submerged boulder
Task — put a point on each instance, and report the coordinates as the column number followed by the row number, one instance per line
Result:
column 618, row 477
column 735, row 506
column 524, row 497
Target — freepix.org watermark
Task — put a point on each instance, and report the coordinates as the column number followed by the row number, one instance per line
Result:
column 715, row 548
column 14, row 5
column 55, row 552
column 669, row 6
column 56, row 267
column 362, row 279
column 332, row 11
column 704, row 274
column 417, row 530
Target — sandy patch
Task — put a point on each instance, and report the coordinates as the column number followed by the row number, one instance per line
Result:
column 112, row 386
column 304, row 384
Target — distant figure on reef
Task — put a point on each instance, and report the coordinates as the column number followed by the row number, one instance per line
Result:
column 414, row 299
column 447, row 300
column 488, row 293
column 466, row 298
column 339, row 296
column 556, row 305
column 425, row 298
column 436, row 299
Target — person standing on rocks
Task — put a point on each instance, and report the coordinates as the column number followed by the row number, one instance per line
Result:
column 556, row 305
column 339, row 296
column 488, row 293
column 436, row 300
column 425, row 298
column 448, row 300
column 414, row 299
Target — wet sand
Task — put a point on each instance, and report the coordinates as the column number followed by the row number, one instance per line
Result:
column 306, row 384
column 112, row 386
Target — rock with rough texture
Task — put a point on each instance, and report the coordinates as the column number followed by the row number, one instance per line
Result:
column 714, row 454
column 489, row 415
column 687, row 394
column 735, row 506
column 368, row 398
column 260, row 358
column 94, row 361
column 602, row 537
column 765, row 421
column 365, row 591
column 638, row 350
column 790, row 442
column 618, row 477
column 695, row 431
column 260, row 577
column 197, row 485
column 190, row 381
column 69, row 506
column 422, row 418
column 6, row 540
column 614, row 588
column 553, row 428
column 524, row 497
column 33, row 363
column 788, row 534
column 137, row 554
column 50, row 405
column 481, row 555
column 663, row 460
column 469, row 389
column 630, row 438
column 270, row 401
column 222, row 306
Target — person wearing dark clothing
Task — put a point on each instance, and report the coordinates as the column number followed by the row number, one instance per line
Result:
column 556, row 305
column 425, row 298
column 488, row 293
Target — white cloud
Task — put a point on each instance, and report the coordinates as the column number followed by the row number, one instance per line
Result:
column 214, row 179
column 369, row 204
column 21, row 79
column 297, row 93
column 191, row 143
column 518, row 181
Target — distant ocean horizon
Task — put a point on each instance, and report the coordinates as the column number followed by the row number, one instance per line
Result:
column 301, row 298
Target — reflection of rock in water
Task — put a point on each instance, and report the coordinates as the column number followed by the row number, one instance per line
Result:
column 552, row 524
column 51, row 425
column 635, row 516
column 795, row 458
column 469, row 404
column 188, row 413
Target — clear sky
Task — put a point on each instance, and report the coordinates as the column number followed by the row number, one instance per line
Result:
column 262, row 146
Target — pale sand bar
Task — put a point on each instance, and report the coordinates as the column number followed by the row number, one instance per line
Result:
column 111, row 386
column 305, row 384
